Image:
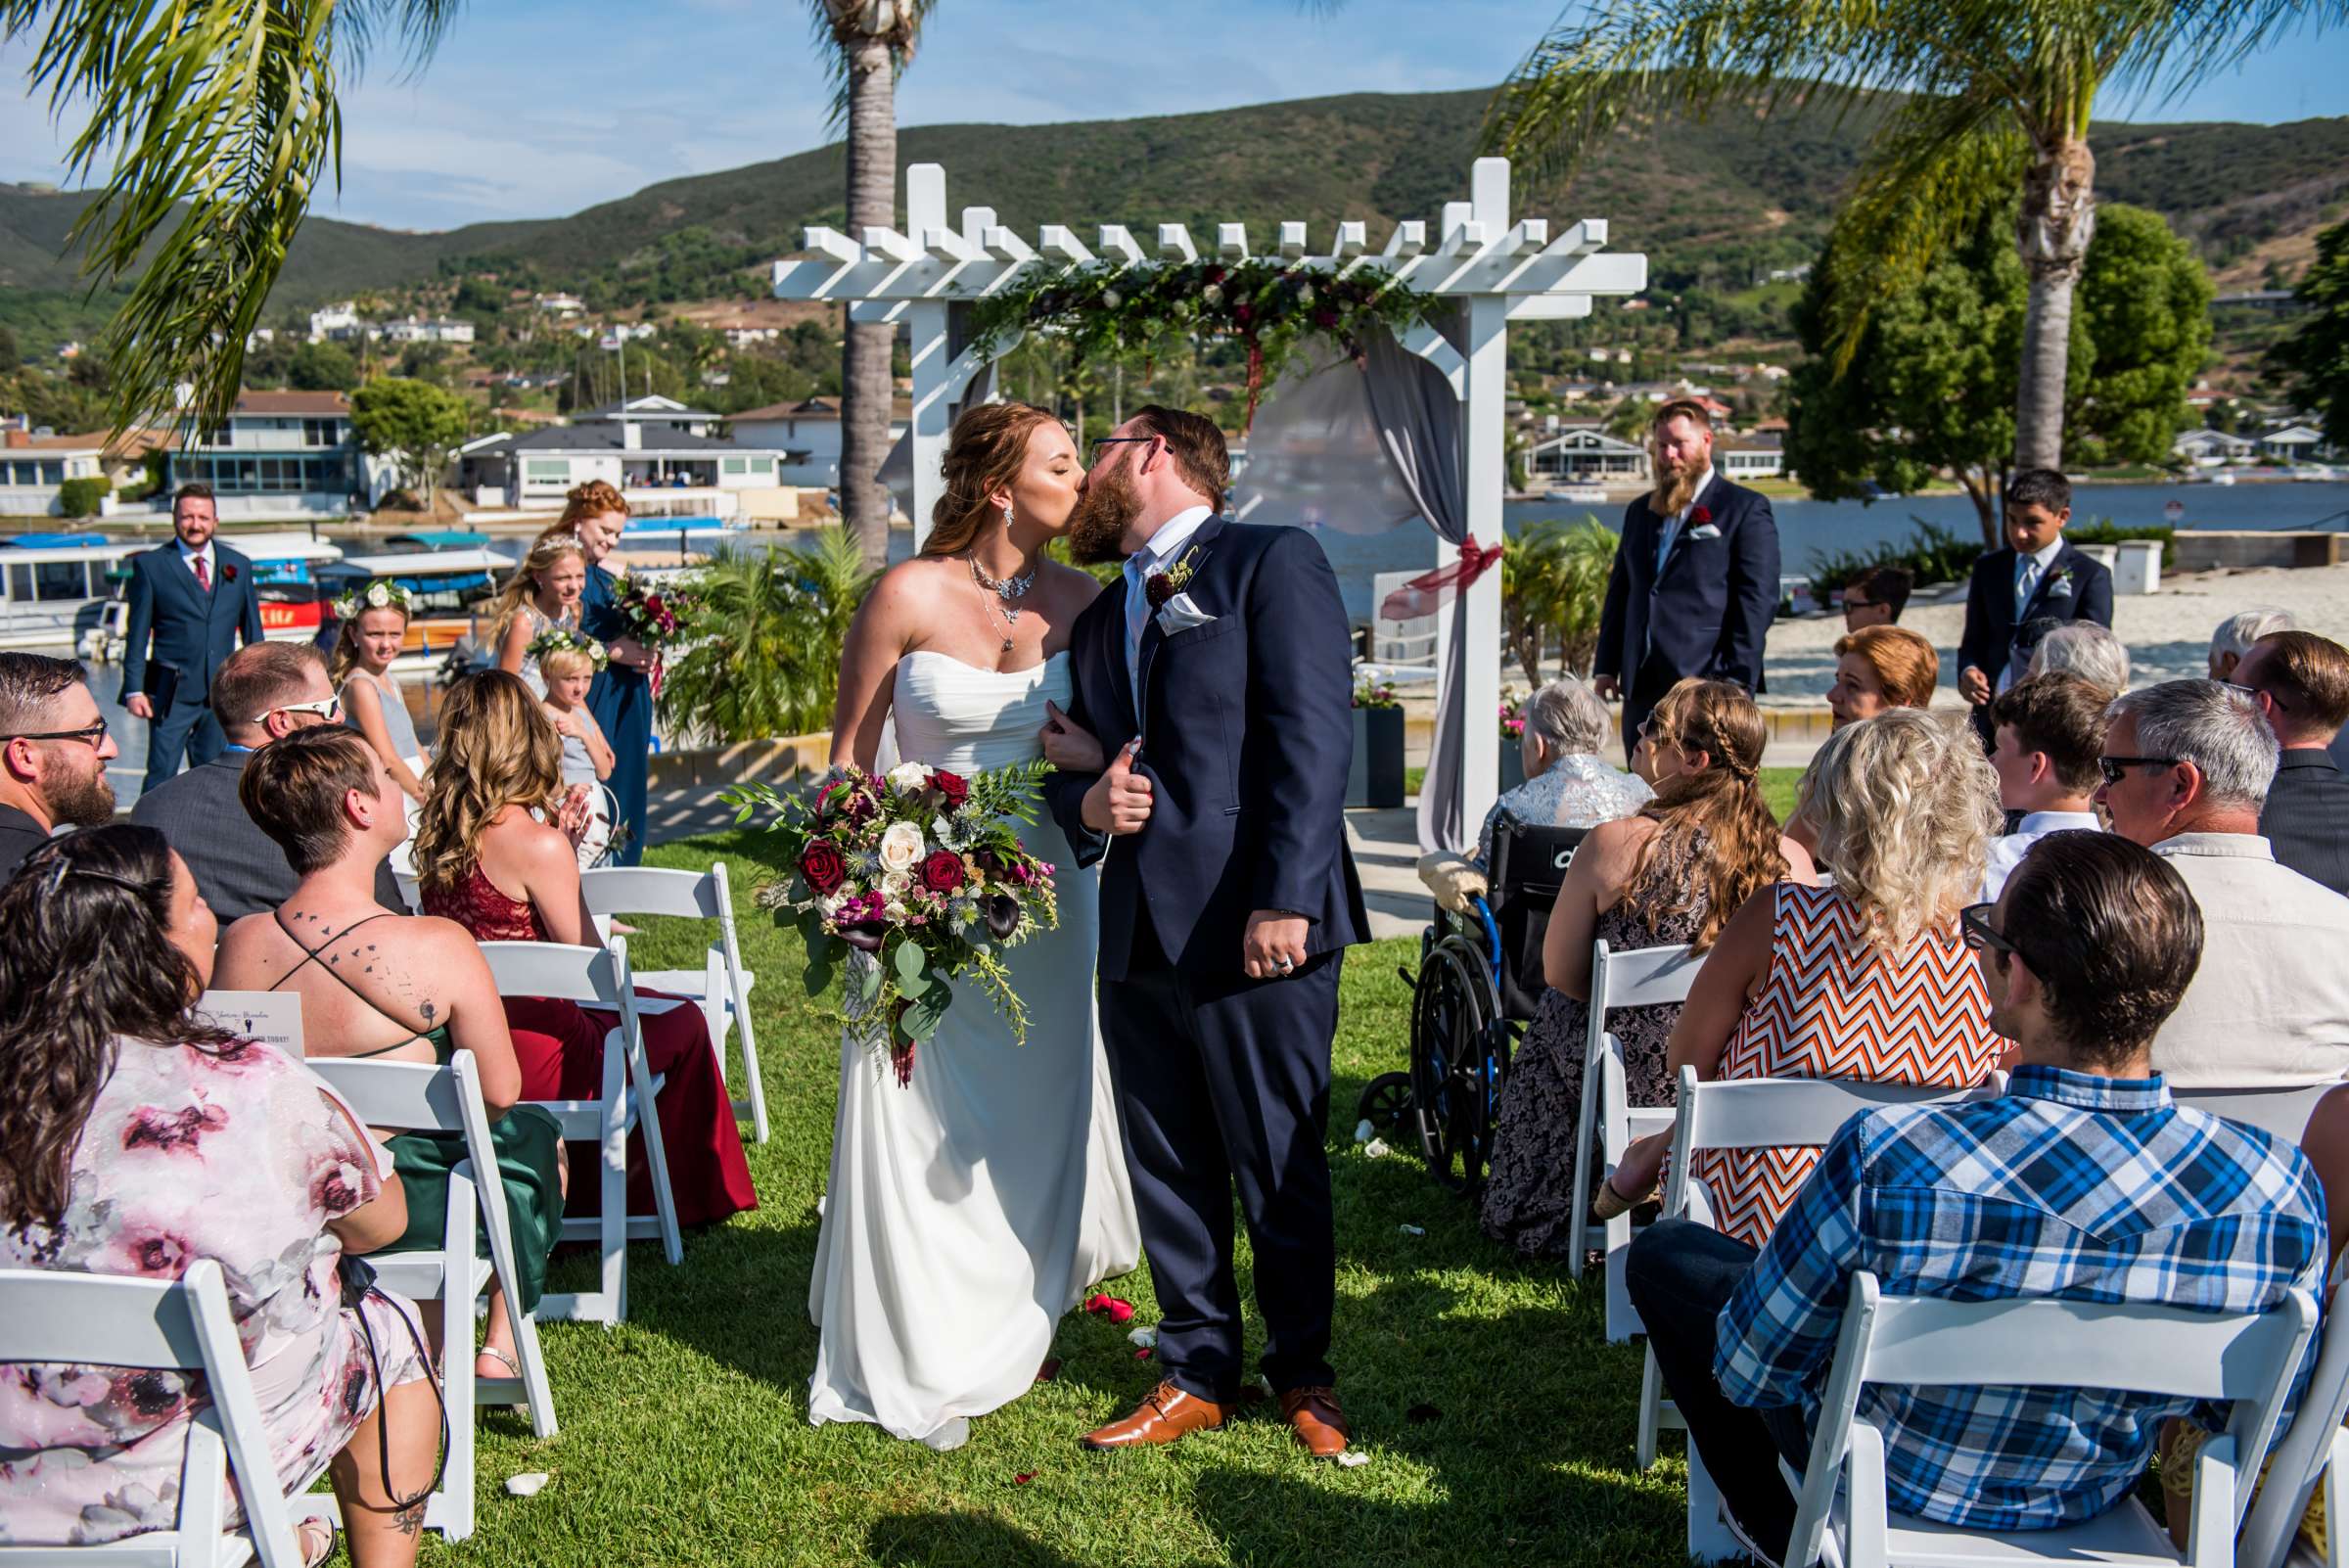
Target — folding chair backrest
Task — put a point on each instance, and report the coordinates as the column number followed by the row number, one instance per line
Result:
column 1634, row 978
column 632, row 890
column 1785, row 1113
column 2300, row 1459
column 1528, row 865
column 181, row 1325
column 593, row 977
column 2245, row 1358
column 2280, row 1112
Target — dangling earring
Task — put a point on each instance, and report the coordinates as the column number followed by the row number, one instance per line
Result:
column 1006, row 516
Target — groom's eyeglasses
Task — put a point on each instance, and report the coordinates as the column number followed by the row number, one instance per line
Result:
column 1119, row 440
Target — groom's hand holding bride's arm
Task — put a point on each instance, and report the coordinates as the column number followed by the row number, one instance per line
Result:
column 1119, row 803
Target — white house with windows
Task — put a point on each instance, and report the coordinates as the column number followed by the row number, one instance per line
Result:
column 420, row 329
column 650, row 410
column 2209, row 448
column 810, row 426
column 1587, row 455
column 282, row 454
column 335, row 323
column 659, row 466
column 2294, row 443
column 36, row 463
column 1743, row 458
column 560, row 306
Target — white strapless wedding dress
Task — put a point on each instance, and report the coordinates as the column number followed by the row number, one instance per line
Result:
column 967, row 1213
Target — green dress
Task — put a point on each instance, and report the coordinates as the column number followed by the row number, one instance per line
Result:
column 528, row 1143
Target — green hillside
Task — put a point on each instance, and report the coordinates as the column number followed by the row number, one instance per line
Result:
column 1713, row 204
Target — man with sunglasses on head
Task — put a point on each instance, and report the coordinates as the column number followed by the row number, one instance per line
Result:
column 263, row 692
column 54, row 748
column 2187, row 767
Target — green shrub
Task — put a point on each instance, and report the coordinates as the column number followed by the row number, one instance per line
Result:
column 1931, row 553
column 80, row 497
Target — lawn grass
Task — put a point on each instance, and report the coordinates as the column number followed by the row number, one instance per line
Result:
column 1498, row 1423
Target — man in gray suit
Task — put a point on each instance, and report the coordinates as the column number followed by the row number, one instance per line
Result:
column 264, row 690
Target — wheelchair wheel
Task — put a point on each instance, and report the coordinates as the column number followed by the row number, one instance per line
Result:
column 1455, row 1068
column 1386, row 1100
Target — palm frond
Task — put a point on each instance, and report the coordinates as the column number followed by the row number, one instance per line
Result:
column 839, row 26
column 1923, row 186
column 211, row 124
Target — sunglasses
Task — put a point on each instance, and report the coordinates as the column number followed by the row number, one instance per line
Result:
column 2113, row 767
column 329, row 709
column 92, row 735
column 1973, row 925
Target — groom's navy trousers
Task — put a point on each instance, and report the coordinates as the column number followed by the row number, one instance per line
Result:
column 1247, row 728
column 1225, row 1085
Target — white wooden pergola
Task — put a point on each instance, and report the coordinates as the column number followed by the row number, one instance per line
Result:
column 1499, row 270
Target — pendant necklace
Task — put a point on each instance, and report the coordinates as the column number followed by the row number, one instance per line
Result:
column 1000, row 592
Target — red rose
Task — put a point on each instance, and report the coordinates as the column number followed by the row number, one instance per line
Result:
column 1159, row 589
column 952, row 788
column 822, row 864
column 228, row 573
column 941, row 872
column 1699, row 516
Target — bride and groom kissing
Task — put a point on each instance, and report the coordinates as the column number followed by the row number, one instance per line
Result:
column 1196, row 711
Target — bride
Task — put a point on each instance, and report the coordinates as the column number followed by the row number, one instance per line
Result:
column 967, row 1213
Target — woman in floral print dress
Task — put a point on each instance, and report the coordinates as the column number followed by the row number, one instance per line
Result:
column 135, row 1139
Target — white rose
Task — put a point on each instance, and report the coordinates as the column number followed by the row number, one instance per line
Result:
column 378, row 596
column 895, row 913
column 902, row 847
column 906, row 778
column 829, row 905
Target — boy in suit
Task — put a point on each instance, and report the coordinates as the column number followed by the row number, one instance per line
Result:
column 195, row 598
column 2020, row 593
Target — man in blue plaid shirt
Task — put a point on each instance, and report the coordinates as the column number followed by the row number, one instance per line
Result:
column 2083, row 1181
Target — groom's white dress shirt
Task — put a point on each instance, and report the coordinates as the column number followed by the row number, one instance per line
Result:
column 1155, row 556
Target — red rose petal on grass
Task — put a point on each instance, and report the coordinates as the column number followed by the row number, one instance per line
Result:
column 1048, row 1371
column 1023, row 1478
column 1144, row 1353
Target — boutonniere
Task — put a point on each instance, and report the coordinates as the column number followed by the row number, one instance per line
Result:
column 228, row 573
column 2059, row 584
column 1699, row 516
column 1164, row 585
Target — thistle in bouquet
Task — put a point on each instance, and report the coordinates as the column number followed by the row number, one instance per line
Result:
column 910, row 881
column 656, row 616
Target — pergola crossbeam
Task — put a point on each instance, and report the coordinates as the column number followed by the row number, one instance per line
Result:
column 1496, row 269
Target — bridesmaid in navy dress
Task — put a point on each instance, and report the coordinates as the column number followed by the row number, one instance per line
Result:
column 621, row 698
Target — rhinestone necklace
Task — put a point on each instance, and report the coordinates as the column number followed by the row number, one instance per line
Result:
column 999, row 594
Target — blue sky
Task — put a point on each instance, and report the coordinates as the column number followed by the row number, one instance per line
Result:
column 537, row 107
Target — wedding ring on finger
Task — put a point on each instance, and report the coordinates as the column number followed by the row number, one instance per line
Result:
column 1286, row 965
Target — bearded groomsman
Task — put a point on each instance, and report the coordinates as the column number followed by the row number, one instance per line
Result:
column 1695, row 583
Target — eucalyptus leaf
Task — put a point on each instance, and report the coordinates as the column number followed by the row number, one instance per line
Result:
column 909, row 960
column 922, row 1018
column 913, row 985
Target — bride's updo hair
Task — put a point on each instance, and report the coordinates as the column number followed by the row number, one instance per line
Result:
column 984, row 453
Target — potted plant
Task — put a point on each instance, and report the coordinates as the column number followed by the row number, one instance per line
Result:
column 1376, row 776
column 1512, row 739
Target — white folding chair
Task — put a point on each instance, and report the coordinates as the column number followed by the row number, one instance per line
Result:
column 2314, row 1451
column 600, row 977
column 182, row 1327
column 721, row 987
column 417, row 1097
column 1643, row 977
column 1753, row 1114
column 2246, row 1359
column 2283, row 1113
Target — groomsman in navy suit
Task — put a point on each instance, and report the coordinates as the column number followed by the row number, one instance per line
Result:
column 2021, row 593
column 1695, row 583
column 195, row 598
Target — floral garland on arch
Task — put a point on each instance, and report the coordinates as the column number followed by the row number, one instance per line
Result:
column 1106, row 308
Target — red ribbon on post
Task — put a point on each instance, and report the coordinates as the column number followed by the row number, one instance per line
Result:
column 1423, row 593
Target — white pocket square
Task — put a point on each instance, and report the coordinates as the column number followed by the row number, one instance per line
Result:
column 2059, row 590
column 1704, row 530
column 1179, row 614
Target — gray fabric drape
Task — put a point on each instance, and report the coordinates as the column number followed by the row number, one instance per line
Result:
column 1361, row 447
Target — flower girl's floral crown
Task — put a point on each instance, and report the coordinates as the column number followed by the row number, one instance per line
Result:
column 558, row 639
column 377, row 595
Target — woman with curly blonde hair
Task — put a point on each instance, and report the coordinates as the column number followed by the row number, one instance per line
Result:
column 1864, row 978
column 484, row 860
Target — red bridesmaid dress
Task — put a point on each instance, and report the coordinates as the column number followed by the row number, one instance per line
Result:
column 560, row 1045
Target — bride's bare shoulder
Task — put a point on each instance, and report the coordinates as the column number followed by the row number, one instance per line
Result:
column 912, row 586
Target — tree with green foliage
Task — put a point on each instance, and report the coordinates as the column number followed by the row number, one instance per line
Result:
column 209, row 126
column 1553, row 584
column 322, row 367
column 1930, row 384
column 761, row 656
column 1999, row 94
column 413, row 425
column 83, row 497
column 10, row 356
column 2316, row 356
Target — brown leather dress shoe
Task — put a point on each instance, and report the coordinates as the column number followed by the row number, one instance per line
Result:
column 1313, row 1413
column 1166, row 1415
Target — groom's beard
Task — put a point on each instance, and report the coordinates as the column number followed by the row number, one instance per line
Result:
column 1675, row 489
column 1098, row 528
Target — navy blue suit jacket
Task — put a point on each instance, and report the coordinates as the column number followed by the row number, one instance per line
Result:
column 1708, row 611
column 194, row 631
column 2076, row 588
column 1247, row 734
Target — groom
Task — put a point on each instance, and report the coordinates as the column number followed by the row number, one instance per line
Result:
column 1220, row 671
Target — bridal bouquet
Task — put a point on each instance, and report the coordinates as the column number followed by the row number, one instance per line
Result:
column 655, row 618
column 917, row 878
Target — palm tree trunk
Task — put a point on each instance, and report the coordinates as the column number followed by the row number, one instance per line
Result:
column 865, row 379
column 2059, row 218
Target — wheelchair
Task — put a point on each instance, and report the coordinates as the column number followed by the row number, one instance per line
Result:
column 1479, row 984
